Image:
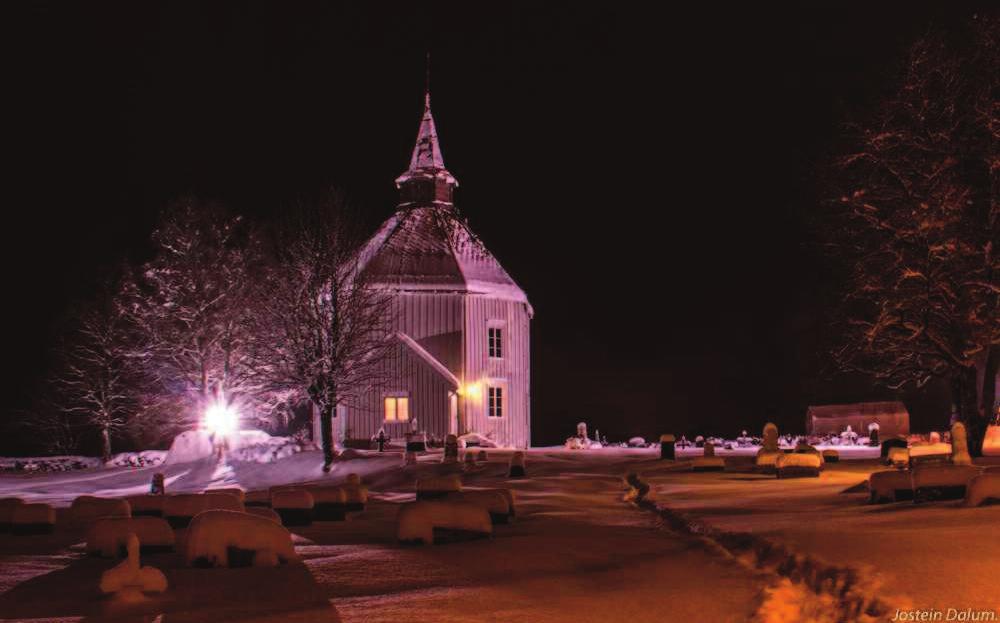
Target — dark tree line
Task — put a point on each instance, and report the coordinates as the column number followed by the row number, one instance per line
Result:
column 916, row 220
column 262, row 319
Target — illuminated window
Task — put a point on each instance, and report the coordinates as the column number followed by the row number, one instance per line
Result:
column 495, row 406
column 495, row 342
column 397, row 409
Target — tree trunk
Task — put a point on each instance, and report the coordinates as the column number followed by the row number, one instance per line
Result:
column 326, row 434
column 105, row 444
column 964, row 396
column 988, row 393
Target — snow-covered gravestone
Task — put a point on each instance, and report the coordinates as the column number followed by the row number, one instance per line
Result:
column 770, row 437
column 667, row 452
column 128, row 580
column 450, row 449
column 768, row 454
column 959, row 445
column 517, row 469
column 873, row 429
column 581, row 430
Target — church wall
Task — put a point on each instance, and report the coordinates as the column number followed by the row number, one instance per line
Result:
column 436, row 321
column 403, row 373
column 512, row 371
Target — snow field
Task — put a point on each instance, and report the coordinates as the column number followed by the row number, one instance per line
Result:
column 108, row 537
column 253, row 540
column 494, row 502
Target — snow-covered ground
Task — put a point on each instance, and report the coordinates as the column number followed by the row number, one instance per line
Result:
column 576, row 551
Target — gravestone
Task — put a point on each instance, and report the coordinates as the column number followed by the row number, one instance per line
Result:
column 770, row 438
column 960, row 445
column 450, row 449
column 667, row 451
column 709, row 449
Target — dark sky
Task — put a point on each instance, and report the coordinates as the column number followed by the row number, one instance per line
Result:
column 648, row 179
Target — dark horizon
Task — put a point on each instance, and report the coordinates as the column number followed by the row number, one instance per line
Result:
column 652, row 185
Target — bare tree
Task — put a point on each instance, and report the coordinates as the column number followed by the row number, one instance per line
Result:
column 190, row 306
column 918, row 224
column 327, row 324
column 93, row 384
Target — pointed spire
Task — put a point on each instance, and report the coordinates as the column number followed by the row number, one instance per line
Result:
column 426, row 162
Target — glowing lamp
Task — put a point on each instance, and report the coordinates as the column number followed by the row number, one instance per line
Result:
column 221, row 419
column 472, row 390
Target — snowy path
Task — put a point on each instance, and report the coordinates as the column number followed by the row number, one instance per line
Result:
column 933, row 555
column 575, row 553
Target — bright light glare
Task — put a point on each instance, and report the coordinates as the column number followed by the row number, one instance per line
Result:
column 221, row 419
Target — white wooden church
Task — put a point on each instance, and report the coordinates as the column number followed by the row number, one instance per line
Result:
column 461, row 360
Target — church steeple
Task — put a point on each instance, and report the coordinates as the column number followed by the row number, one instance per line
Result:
column 426, row 181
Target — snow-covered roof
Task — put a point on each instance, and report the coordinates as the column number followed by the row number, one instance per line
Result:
column 432, row 248
column 427, row 161
column 428, row 358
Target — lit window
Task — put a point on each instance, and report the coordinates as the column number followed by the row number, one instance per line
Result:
column 495, row 408
column 397, row 409
column 495, row 342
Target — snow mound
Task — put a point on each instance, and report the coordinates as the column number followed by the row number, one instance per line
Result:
column 353, row 479
column 220, row 538
column 766, row 460
column 831, row 456
column 146, row 458
column 292, row 498
column 129, row 578
column 48, row 463
column 26, row 515
column 637, row 442
column 88, row 508
column 983, row 489
column 327, row 494
column 109, row 537
column 708, row 463
column 932, row 452
column 417, row 520
column 234, row 491
column 798, row 464
column 438, row 486
column 260, row 497
column 890, row 485
column 259, row 447
column 991, row 444
column 942, row 481
column 146, row 504
column 265, row 512
column 517, row 469
column 474, row 439
column 899, row 457
column 191, row 445
column 179, row 509
column 7, row 507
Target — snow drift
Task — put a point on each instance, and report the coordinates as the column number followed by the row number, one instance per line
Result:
column 417, row 521
column 108, row 537
column 221, row 538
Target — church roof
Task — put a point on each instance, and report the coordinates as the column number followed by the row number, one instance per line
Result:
column 432, row 248
column 427, row 245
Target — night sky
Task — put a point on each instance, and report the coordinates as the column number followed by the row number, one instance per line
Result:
column 651, row 181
